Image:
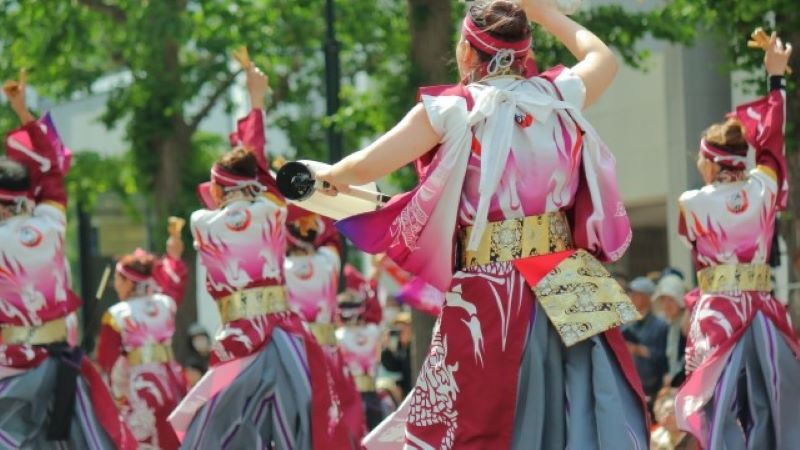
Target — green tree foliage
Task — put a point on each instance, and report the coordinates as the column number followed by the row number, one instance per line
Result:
column 177, row 56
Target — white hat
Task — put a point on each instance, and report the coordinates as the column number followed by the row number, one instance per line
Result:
column 641, row 284
column 671, row 286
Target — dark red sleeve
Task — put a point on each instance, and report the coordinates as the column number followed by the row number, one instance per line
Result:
column 109, row 345
column 250, row 135
column 373, row 311
column 172, row 276
column 44, row 165
column 330, row 236
column 764, row 122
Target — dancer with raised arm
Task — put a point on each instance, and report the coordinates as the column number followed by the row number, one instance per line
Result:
column 527, row 352
column 268, row 385
column 742, row 352
column 134, row 349
column 51, row 396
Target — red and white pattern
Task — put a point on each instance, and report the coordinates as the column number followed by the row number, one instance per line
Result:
column 146, row 393
column 733, row 223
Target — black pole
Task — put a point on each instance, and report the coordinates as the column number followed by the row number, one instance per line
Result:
column 332, row 81
column 332, row 88
column 85, row 265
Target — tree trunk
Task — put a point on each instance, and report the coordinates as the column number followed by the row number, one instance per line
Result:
column 173, row 152
column 432, row 50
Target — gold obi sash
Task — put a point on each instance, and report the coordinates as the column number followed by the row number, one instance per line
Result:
column 325, row 333
column 150, row 353
column 251, row 303
column 578, row 295
column 512, row 239
column 46, row 333
column 735, row 278
column 365, row 383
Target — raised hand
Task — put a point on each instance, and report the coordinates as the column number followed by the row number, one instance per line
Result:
column 776, row 56
column 257, row 86
column 15, row 92
column 174, row 242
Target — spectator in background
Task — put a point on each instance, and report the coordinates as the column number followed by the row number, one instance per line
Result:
column 647, row 338
column 669, row 270
column 199, row 351
column 396, row 355
column 667, row 435
column 670, row 303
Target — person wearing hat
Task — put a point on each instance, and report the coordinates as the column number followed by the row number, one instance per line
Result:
column 669, row 300
column 647, row 338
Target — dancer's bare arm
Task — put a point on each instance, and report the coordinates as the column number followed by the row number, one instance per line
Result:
column 407, row 141
column 597, row 66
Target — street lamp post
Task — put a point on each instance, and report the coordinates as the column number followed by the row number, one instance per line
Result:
column 332, row 81
column 332, row 88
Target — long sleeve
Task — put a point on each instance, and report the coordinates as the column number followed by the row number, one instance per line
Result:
column 109, row 344
column 764, row 122
column 250, row 135
column 172, row 276
column 330, row 236
column 30, row 146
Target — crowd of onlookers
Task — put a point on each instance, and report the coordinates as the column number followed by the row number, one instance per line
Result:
column 657, row 343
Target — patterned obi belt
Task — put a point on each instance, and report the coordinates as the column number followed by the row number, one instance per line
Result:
column 46, row 333
column 365, row 383
column 252, row 303
column 577, row 293
column 512, row 239
column 325, row 333
column 727, row 278
column 150, row 353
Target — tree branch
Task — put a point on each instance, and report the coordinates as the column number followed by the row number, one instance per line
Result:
column 212, row 100
column 113, row 12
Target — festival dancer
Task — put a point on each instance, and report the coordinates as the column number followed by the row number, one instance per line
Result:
column 51, row 396
column 742, row 353
column 268, row 385
column 527, row 352
column 360, row 337
column 312, row 269
column 134, row 349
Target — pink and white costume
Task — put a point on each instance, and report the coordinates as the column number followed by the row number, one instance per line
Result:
column 497, row 374
column 135, row 352
column 269, row 382
column 742, row 352
column 38, row 367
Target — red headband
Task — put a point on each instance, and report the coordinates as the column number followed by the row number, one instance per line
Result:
column 228, row 180
column 13, row 196
column 722, row 157
column 132, row 275
column 484, row 42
